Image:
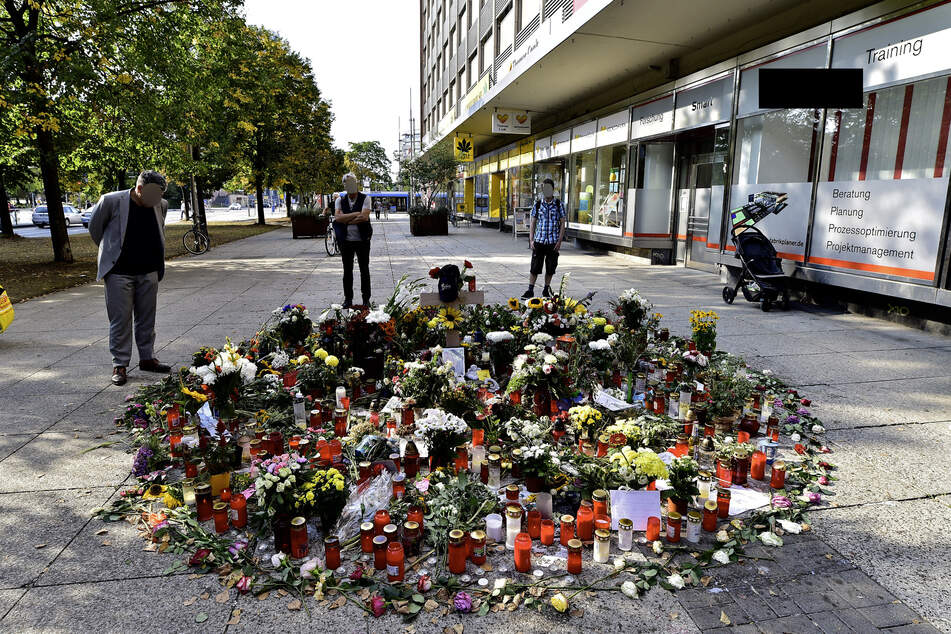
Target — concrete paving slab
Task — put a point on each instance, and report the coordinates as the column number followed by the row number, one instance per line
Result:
column 21, row 413
column 56, row 460
column 11, row 442
column 36, row 526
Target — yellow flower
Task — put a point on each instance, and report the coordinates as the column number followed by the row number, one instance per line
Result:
column 599, row 321
column 154, row 492
column 321, row 354
column 609, row 329
column 535, row 302
column 450, row 317
column 513, row 303
column 580, row 309
column 171, row 502
column 332, row 361
column 559, row 602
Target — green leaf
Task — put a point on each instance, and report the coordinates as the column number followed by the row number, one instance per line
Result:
column 201, row 617
column 414, row 608
column 484, row 608
column 650, row 572
column 418, row 598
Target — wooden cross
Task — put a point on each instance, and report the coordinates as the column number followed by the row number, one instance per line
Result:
column 466, row 298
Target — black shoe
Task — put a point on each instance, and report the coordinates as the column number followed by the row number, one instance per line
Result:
column 366, row 302
column 347, row 303
column 118, row 375
column 154, row 365
column 530, row 293
column 547, row 292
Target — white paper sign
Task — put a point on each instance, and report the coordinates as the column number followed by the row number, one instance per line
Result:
column 787, row 229
column 392, row 405
column 743, row 500
column 604, row 399
column 511, row 122
column 636, row 506
column 457, row 357
column 653, row 117
column 612, row 129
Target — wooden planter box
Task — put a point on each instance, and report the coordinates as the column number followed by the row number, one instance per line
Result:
column 432, row 225
column 309, row 226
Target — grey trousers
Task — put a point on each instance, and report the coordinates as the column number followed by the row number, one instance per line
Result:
column 131, row 297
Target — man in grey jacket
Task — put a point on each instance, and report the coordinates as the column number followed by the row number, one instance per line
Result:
column 129, row 228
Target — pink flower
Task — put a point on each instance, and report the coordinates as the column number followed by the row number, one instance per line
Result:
column 781, row 502
column 199, row 557
column 357, row 574
column 462, row 602
column 814, row 498
column 424, row 584
column 378, row 605
column 244, row 584
column 823, row 480
column 422, row 486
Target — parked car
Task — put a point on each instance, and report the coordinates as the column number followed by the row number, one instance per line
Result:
column 86, row 215
column 235, row 206
column 41, row 217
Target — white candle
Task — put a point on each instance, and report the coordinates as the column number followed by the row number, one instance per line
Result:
column 478, row 457
column 341, row 394
column 602, row 546
column 543, row 504
column 513, row 526
column 493, row 527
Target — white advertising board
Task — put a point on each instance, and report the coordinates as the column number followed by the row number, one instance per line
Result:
column 583, row 136
column 889, row 227
column 561, row 143
column 704, row 104
column 543, row 148
column 787, row 229
column 612, row 129
column 653, row 117
column 812, row 57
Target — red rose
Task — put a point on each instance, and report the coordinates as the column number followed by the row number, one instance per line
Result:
column 434, row 272
column 800, row 448
column 199, row 557
column 378, row 605
column 806, row 402
column 468, row 264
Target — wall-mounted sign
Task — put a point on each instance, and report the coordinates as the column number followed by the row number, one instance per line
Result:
column 511, row 122
column 583, row 136
column 887, row 227
column 812, row 57
column 786, row 230
column 518, row 60
column 561, row 143
column 654, row 117
column 462, row 147
column 543, row 148
column 917, row 45
column 473, row 98
column 612, row 129
column 705, row 104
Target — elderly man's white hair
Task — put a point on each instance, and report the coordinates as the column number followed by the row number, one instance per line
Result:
column 348, row 176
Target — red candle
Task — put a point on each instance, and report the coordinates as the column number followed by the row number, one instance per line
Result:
column 299, row 541
column 239, row 511
column 653, row 529
column 457, row 552
column 758, row 465
column 547, row 532
column 567, row 529
column 380, row 519
column 673, row 527
column 478, row 436
column 366, row 537
column 723, row 502
column 332, row 552
column 602, row 522
column 523, row 552
column 777, row 476
column 710, row 510
column 574, row 557
column 394, row 562
column 379, row 552
column 742, row 436
column 220, row 513
column 585, row 523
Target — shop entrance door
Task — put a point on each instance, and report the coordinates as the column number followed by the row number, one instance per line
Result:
column 700, row 190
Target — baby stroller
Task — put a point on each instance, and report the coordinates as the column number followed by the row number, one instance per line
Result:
column 761, row 279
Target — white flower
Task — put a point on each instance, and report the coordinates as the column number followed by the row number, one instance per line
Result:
column 307, row 568
column 791, row 527
column 702, row 360
column 612, row 338
column 280, row 487
column 676, row 581
column 530, row 348
column 546, row 368
column 336, row 307
column 658, row 547
column 541, row 337
column 378, row 316
column 629, row 589
column 721, row 556
column 498, row 336
column 600, row 344
column 818, row 429
column 277, row 559
column 795, row 437
column 770, row 539
column 279, row 361
column 550, row 359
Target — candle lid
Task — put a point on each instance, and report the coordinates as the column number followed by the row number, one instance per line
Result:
column 366, row 526
column 694, row 516
column 379, row 540
column 333, row 539
column 779, row 465
column 456, row 535
column 625, row 523
column 602, row 534
column 477, row 535
column 203, row 488
column 298, row 521
column 567, row 519
column 410, row 526
column 710, row 505
column 219, row 506
column 390, row 528
column 599, row 495
column 574, row 544
column 399, row 477
column 513, row 511
column 673, row 516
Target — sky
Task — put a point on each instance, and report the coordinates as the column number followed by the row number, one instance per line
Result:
column 365, row 56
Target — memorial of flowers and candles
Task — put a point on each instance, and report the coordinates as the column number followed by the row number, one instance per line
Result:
column 472, row 455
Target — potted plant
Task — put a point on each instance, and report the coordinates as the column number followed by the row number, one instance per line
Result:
column 537, row 467
column 632, row 308
column 724, row 464
column 703, row 323
column 682, row 476
column 221, row 458
column 540, row 373
column 309, row 222
column 742, row 453
column 275, row 487
column 442, row 432
column 425, row 221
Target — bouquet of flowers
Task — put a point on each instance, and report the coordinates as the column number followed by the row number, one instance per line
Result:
column 682, row 476
column 293, row 324
column 586, row 419
column 632, row 308
column 636, row 468
column 645, row 431
column 539, row 369
column 425, row 381
column 703, row 323
column 224, row 375
column 322, row 493
column 276, row 481
column 442, row 432
column 502, row 350
column 455, row 502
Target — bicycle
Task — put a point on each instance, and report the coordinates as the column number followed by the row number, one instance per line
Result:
column 330, row 241
column 195, row 240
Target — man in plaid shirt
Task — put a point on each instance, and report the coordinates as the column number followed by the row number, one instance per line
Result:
column 545, row 236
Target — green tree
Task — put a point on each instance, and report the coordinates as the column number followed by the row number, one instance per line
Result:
column 370, row 164
column 432, row 172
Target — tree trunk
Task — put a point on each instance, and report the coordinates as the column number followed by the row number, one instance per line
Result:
column 198, row 202
column 49, row 168
column 186, row 202
column 120, row 180
column 259, row 189
column 287, row 200
column 6, row 225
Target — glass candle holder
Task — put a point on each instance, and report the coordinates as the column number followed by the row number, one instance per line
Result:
column 602, row 546
column 693, row 526
column 399, row 486
column 574, row 556
column 495, row 471
column 724, row 472
column 567, row 529
column 299, row 541
column 415, row 514
column 653, row 529
column 203, row 502
column 380, row 519
column 457, row 552
column 523, row 552
column 704, row 480
column 411, row 460
column 366, row 537
column 395, row 560
column 332, row 552
column 478, row 457
column 533, row 522
column 599, row 501
column 395, row 458
column 585, row 522
column 477, row 550
column 625, row 534
column 365, row 468
column 602, row 522
column 239, row 510
column 777, row 475
column 188, row 491
column 513, row 525
column 390, row 531
column 462, row 458
column 547, row 532
column 511, row 493
column 710, row 513
column 493, row 527
column 543, row 502
column 673, row 527
column 220, row 513
column 379, row 552
column 758, row 465
column 411, row 538
column 723, row 503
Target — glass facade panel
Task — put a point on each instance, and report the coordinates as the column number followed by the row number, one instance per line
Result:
column 774, row 147
column 612, row 179
column 582, row 187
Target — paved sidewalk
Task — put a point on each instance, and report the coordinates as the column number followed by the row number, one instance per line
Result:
column 877, row 557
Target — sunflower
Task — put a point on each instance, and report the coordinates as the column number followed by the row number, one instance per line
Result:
column 171, row 502
column 513, row 303
column 154, row 492
column 535, row 302
column 450, row 317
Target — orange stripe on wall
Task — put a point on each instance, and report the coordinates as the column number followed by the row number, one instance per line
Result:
column 681, row 236
column 652, row 235
column 699, row 239
column 875, row 268
column 711, row 245
column 730, row 247
column 791, row 256
column 628, row 235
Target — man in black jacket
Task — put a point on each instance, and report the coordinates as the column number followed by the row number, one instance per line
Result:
column 353, row 232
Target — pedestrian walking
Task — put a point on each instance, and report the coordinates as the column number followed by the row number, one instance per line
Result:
column 353, row 232
column 544, row 237
column 129, row 228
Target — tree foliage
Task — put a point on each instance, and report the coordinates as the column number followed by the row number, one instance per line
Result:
column 432, row 172
column 370, row 164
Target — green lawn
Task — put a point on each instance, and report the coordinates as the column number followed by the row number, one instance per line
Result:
column 27, row 269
